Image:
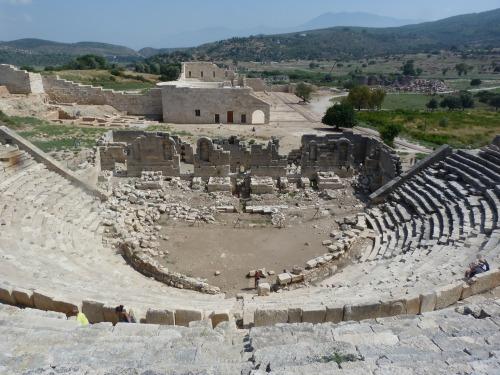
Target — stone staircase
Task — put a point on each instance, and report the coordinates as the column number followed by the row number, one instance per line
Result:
column 441, row 342
column 51, row 243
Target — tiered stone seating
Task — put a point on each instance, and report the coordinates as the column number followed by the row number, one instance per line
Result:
column 441, row 342
column 51, row 242
column 428, row 231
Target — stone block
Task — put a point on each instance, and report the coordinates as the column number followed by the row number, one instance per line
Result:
column 297, row 278
column 311, row 264
column 393, row 308
column 294, row 315
column 427, row 302
column 93, row 311
column 284, row 278
column 334, row 314
column 64, row 307
column 314, row 314
column 466, row 292
column 6, row 295
column 304, row 182
column 42, row 301
column 448, row 295
column 109, row 314
column 264, row 289
column 413, row 305
column 362, row 311
column 269, row 317
column 162, row 317
column 485, row 281
column 184, row 317
column 218, row 317
column 23, row 297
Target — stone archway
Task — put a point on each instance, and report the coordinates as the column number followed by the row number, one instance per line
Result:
column 258, row 117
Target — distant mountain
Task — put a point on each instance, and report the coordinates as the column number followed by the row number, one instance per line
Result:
column 355, row 19
column 45, row 52
column 466, row 31
column 212, row 34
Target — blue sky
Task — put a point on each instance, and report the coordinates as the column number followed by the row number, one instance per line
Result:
column 141, row 23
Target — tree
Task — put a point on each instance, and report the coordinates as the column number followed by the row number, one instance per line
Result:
column 495, row 102
column 359, row 97
column 475, row 82
column 377, row 97
column 389, row 132
column 304, row 91
column 169, row 72
column 409, row 68
column 462, row 68
column 445, row 71
column 451, row 102
column 466, row 99
column 340, row 115
column 432, row 104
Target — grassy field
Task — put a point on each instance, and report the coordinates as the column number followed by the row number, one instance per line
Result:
column 432, row 66
column 405, row 101
column 103, row 78
column 461, row 129
column 53, row 137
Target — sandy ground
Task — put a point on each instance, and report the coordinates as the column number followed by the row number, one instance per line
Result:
column 253, row 243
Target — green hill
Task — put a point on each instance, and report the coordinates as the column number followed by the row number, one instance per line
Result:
column 478, row 30
column 44, row 52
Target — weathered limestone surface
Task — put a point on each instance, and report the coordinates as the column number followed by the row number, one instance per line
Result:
column 462, row 340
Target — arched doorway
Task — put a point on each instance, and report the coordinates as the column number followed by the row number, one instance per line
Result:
column 258, row 117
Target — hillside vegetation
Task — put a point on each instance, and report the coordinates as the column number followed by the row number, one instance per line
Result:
column 40, row 52
column 479, row 30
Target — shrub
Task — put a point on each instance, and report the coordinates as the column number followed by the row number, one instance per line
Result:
column 444, row 122
column 389, row 132
column 476, row 82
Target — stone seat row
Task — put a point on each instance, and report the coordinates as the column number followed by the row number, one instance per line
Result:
column 451, row 341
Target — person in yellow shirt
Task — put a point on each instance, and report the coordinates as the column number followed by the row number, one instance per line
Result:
column 80, row 317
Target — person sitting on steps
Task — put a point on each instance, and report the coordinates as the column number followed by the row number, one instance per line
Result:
column 477, row 267
column 123, row 316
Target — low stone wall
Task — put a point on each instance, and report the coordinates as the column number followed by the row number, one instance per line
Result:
column 9, row 136
column 150, row 268
column 140, row 104
column 437, row 299
column 380, row 194
column 97, row 312
column 20, row 81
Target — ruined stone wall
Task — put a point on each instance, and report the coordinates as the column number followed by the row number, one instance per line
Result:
column 210, row 159
column 184, row 149
column 141, row 104
column 180, row 105
column 20, row 81
column 348, row 151
column 110, row 154
column 153, row 152
column 262, row 160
